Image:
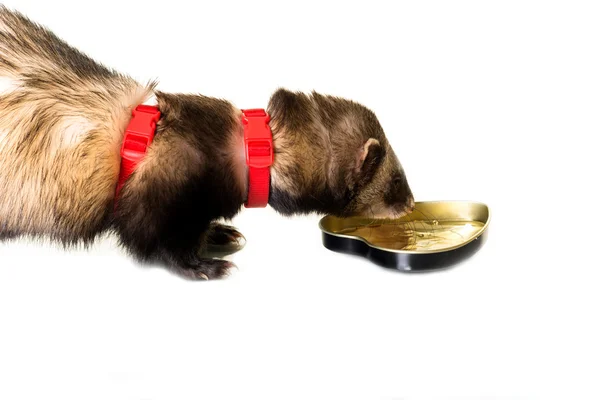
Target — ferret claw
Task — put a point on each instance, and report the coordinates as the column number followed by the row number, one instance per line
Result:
column 203, row 276
column 224, row 239
column 205, row 269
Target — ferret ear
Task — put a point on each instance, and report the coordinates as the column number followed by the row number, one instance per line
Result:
column 368, row 158
column 283, row 97
column 289, row 108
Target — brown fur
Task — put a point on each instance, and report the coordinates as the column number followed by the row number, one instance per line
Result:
column 61, row 125
column 62, row 118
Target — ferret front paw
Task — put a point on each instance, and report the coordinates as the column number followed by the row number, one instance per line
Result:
column 224, row 239
column 205, row 269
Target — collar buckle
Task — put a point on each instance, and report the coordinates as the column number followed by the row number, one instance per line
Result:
column 259, row 153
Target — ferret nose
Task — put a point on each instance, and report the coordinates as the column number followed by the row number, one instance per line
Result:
column 410, row 205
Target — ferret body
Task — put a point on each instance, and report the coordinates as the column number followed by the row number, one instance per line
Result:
column 62, row 122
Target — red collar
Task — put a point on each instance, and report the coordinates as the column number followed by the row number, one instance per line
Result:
column 258, row 141
column 138, row 136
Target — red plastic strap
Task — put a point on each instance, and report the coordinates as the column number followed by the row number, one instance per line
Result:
column 138, row 137
column 258, row 140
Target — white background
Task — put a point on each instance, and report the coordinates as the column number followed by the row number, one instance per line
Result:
column 496, row 102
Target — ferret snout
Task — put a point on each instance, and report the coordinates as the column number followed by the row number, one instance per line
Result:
column 410, row 205
column 401, row 199
column 391, row 211
column 405, row 207
column 398, row 195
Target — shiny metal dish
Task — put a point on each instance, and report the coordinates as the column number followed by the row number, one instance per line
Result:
column 436, row 235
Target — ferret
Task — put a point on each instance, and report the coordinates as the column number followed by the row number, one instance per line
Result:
column 62, row 122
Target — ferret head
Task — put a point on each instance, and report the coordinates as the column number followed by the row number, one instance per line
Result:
column 332, row 157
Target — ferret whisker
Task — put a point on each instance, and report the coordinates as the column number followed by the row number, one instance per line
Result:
column 414, row 229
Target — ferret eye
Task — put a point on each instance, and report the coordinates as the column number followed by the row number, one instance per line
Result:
column 397, row 183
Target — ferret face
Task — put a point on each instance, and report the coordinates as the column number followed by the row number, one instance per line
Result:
column 332, row 156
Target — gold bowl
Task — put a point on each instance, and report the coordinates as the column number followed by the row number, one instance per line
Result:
column 436, row 235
